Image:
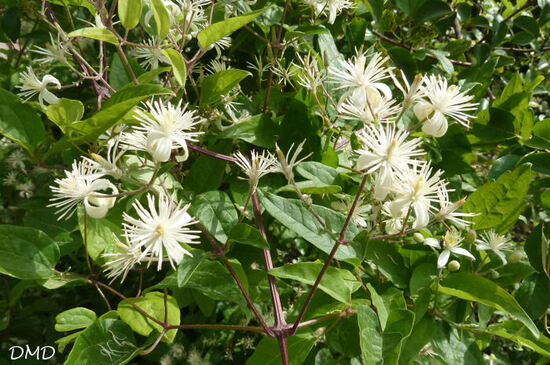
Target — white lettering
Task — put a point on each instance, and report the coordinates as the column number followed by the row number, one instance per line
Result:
column 12, row 350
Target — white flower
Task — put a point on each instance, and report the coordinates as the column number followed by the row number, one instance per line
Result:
column 285, row 74
column 54, row 51
column 357, row 107
column 361, row 214
column 447, row 210
column 256, row 167
column 285, row 165
column 386, row 150
column 412, row 92
column 395, row 213
column 108, row 166
column 120, row 263
column 333, row 7
column 164, row 128
column 417, row 188
column 311, row 76
column 11, row 178
column 217, row 65
column 450, row 244
column 25, row 189
column 443, row 101
column 151, row 54
column 31, row 86
column 362, row 78
column 159, row 232
column 220, row 45
column 495, row 242
column 82, row 185
column 259, row 66
column 16, row 159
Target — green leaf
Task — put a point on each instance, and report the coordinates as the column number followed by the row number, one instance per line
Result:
column 476, row 288
column 215, row 211
column 515, row 331
column 456, row 347
column 500, row 202
column 65, row 113
column 207, row 172
column 27, row 253
column 101, row 34
column 337, row 283
column 410, row 7
column 370, row 335
column 74, row 318
column 423, row 332
column 295, row 216
column 218, row 84
column 248, row 235
column 316, row 171
column 188, row 265
column 259, row 130
column 150, row 75
column 217, row 31
column 106, row 341
column 178, row 65
column 153, row 304
column 536, row 248
column 267, row 351
column 540, row 162
column 312, row 187
column 100, row 234
column 387, row 259
column 64, row 341
column 84, row 3
column 162, row 18
column 541, row 135
column 129, row 12
column 212, row 279
column 443, row 60
column 19, row 122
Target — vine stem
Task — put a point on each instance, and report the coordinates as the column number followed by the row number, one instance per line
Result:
column 341, row 240
column 211, row 153
column 280, row 323
column 219, row 251
column 276, row 46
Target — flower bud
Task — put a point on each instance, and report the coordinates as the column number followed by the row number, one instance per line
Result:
column 495, row 274
column 515, row 257
column 471, row 236
column 454, row 265
column 418, row 237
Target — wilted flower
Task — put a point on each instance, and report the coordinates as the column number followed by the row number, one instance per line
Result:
column 16, row 159
column 411, row 92
column 311, row 76
column 286, row 164
column 492, row 241
column 31, row 86
column 159, row 231
column 450, row 244
column 54, row 51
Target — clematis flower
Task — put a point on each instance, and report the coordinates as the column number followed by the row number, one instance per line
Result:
column 167, row 127
column 492, row 241
column 448, row 210
column 450, row 244
column 386, row 150
column 159, row 231
column 83, row 184
column 443, row 101
column 363, row 80
column 333, row 7
column 256, row 167
column 31, row 86
column 120, row 263
column 417, row 187
column 286, row 164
